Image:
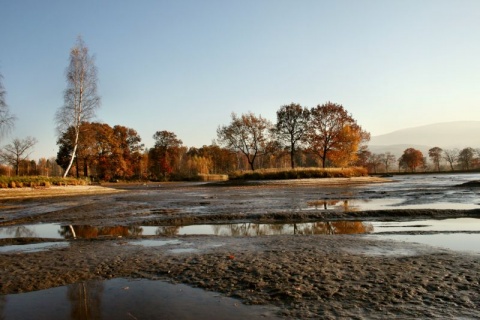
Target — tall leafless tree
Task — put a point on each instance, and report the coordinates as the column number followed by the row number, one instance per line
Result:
column 291, row 126
column 17, row 151
column 387, row 159
column 80, row 98
column 6, row 118
column 451, row 156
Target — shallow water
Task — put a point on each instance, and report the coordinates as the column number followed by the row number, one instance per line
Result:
column 447, row 233
column 33, row 247
column 127, row 299
column 431, row 191
column 463, row 242
column 55, row 231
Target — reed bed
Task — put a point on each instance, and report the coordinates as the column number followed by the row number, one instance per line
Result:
column 212, row 177
column 299, row 173
column 38, row 182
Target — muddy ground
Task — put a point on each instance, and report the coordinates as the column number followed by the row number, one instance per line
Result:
column 307, row 276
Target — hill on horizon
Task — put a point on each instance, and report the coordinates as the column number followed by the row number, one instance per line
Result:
column 446, row 135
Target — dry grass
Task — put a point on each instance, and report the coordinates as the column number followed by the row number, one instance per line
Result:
column 38, row 181
column 212, row 177
column 299, row 173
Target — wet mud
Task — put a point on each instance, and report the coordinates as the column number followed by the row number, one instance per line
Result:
column 306, row 276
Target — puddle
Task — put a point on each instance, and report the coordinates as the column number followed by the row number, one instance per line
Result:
column 248, row 229
column 33, row 247
column 264, row 229
column 56, row 231
column 450, row 225
column 353, row 205
column 128, row 299
column 388, row 252
column 464, row 242
column 184, row 250
column 154, row 243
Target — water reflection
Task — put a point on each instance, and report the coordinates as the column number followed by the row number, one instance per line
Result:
column 19, row 232
column 249, row 229
column 89, row 232
column 167, row 230
column 85, row 300
column 125, row 299
column 343, row 205
column 242, row 229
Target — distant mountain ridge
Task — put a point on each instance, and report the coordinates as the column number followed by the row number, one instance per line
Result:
column 446, row 135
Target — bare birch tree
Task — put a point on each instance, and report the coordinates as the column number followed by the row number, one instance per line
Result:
column 6, row 118
column 80, row 98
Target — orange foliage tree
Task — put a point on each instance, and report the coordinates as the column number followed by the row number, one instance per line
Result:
column 411, row 159
column 164, row 157
column 102, row 151
column 334, row 135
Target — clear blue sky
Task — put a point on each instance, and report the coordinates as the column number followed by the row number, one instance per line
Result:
column 184, row 66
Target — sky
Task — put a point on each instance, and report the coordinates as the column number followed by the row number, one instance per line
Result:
column 185, row 65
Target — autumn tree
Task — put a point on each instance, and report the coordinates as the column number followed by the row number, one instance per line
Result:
column 128, row 149
column 6, row 118
column 107, row 152
column 451, row 156
column 411, row 159
column 435, row 155
column 291, row 127
column 85, row 151
column 465, row 158
column 17, row 151
column 80, row 98
column 165, row 154
column 334, row 135
column 249, row 134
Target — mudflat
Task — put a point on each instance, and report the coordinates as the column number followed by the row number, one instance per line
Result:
column 306, row 276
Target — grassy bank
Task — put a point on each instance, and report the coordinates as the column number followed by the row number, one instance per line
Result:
column 38, row 181
column 299, row 173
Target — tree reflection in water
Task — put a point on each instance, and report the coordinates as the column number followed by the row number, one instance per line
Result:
column 335, row 227
column 88, row 232
column 314, row 228
column 20, row 232
column 167, row 231
column 86, row 300
column 346, row 205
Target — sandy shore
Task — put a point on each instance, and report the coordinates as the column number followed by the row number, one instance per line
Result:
column 53, row 191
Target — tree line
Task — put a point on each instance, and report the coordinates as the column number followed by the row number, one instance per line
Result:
column 413, row 160
column 325, row 135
